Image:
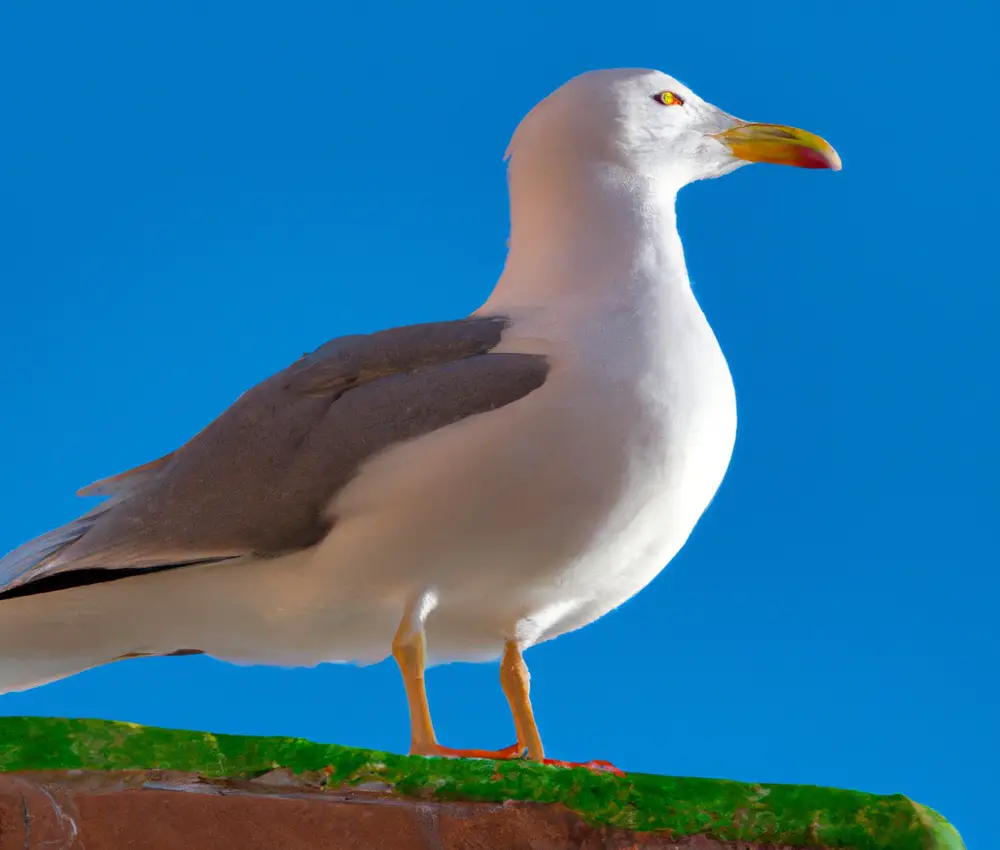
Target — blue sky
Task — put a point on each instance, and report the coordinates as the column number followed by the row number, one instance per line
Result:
column 191, row 195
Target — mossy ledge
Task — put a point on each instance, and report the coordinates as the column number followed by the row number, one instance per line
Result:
column 794, row 815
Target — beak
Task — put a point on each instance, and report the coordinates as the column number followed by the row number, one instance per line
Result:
column 780, row 145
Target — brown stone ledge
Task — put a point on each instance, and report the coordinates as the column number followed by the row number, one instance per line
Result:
column 164, row 810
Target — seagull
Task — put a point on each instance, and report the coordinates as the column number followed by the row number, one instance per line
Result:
column 458, row 490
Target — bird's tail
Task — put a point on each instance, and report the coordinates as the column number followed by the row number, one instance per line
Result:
column 30, row 559
column 40, row 556
column 50, row 636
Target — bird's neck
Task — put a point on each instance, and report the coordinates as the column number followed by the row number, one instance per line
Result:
column 591, row 234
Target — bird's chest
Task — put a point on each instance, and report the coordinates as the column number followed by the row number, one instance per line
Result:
column 560, row 505
column 648, row 420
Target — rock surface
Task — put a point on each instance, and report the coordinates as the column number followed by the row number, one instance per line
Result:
column 92, row 784
column 150, row 811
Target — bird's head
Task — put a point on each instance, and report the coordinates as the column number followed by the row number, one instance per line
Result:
column 648, row 122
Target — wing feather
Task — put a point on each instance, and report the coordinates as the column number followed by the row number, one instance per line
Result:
column 260, row 478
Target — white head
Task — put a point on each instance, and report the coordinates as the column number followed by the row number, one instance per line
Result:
column 594, row 172
column 648, row 123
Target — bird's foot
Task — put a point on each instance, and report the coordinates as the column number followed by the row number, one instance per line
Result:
column 512, row 752
column 595, row 766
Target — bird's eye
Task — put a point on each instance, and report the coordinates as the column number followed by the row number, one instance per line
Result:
column 668, row 98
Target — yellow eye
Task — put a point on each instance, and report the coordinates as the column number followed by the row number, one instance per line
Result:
column 668, row 98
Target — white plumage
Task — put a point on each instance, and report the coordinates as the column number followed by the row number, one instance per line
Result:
column 516, row 522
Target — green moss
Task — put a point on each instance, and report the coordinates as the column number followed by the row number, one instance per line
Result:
column 799, row 815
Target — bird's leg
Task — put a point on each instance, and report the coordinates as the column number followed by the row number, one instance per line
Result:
column 408, row 648
column 515, row 681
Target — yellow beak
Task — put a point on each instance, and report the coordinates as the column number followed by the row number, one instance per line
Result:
column 780, row 145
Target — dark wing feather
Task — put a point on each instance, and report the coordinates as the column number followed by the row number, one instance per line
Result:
column 258, row 480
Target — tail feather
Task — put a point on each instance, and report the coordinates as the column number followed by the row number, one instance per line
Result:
column 36, row 558
column 33, row 559
column 50, row 637
column 45, row 637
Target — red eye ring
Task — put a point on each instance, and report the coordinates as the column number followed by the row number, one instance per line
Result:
column 668, row 98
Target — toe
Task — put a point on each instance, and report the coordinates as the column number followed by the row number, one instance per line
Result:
column 514, row 751
column 595, row 766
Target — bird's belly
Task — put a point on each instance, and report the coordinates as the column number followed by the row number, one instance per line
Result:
column 530, row 520
column 668, row 469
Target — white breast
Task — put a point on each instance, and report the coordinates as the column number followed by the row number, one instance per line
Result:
column 541, row 516
column 649, row 418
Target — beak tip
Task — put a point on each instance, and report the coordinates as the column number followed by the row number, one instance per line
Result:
column 833, row 160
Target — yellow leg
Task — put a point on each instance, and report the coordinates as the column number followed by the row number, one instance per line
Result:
column 408, row 648
column 515, row 681
column 409, row 651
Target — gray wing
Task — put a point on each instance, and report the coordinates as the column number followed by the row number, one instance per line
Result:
column 258, row 480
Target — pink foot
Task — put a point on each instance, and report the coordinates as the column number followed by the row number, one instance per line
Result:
column 512, row 752
column 595, row 766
